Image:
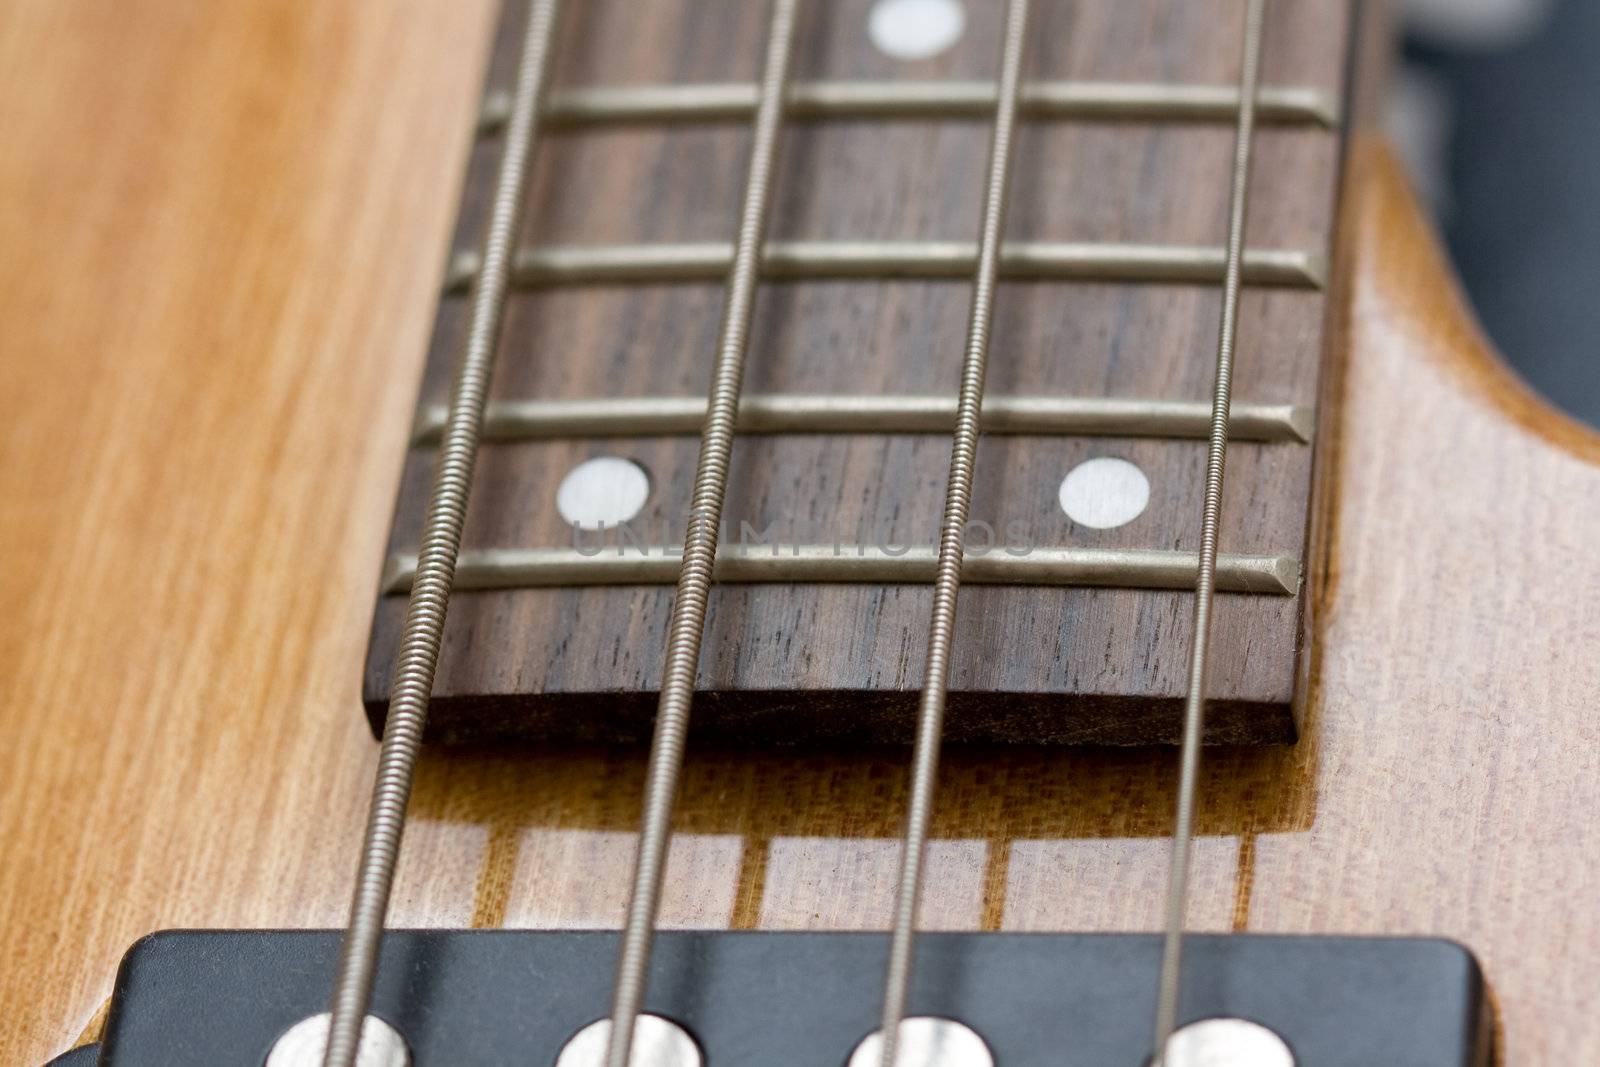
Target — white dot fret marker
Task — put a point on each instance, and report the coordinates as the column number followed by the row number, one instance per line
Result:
column 607, row 489
column 916, row 29
column 1104, row 493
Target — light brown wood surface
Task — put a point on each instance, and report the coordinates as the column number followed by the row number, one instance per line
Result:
column 220, row 226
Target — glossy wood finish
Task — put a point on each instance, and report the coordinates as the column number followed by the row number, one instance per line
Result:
column 183, row 743
column 784, row 662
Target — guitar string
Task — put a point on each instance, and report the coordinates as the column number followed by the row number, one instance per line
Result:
column 958, row 499
column 1205, row 583
column 447, row 505
column 687, row 624
column 418, row 658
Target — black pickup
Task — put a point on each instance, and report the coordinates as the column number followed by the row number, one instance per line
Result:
column 464, row 999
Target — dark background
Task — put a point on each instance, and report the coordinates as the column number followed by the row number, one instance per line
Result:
column 1517, row 187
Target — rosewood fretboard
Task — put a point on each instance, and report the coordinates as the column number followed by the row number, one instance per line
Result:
column 1118, row 209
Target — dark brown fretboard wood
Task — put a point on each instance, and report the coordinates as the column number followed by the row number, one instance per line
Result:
column 794, row 662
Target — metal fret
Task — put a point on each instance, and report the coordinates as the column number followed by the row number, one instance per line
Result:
column 952, row 535
column 1169, row 985
column 776, row 413
column 708, row 261
column 687, row 624
column 736, row 101
column 1104, row 568
column 418, row 658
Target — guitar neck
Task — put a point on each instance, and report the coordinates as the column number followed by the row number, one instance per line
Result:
column 1104, row 329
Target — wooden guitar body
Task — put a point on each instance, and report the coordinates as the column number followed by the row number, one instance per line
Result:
column 210, row 358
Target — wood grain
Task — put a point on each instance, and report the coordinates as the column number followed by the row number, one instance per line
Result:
column 220, row 229
column 785, row 663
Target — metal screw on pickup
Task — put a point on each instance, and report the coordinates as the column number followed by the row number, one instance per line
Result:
column 305, row 1043
column 1227, row 1042
column 926, row 1041
column 657, row 1042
